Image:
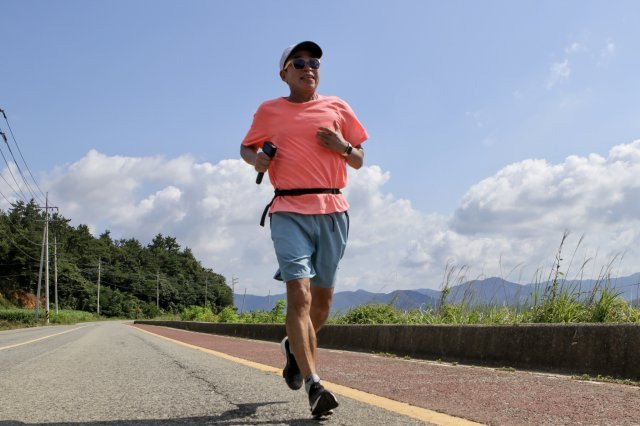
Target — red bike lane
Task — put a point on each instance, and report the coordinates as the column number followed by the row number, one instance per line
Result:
column 480, row 394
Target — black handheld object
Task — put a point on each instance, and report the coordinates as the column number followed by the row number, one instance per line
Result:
column 269, row 149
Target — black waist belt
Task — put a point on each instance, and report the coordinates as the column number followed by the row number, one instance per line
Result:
column 300, row 191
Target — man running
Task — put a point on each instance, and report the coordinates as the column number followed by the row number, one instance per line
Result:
column 315, row 136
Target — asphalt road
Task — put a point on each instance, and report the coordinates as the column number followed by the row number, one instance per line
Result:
column 111, row 373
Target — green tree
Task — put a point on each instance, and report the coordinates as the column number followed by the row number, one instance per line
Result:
column 129, row 272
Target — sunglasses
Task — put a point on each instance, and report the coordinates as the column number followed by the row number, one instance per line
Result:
column 300, row 63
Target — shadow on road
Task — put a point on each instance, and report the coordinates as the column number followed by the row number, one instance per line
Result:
column 241, row 415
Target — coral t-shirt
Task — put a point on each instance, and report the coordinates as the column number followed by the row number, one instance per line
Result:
column 300, row 162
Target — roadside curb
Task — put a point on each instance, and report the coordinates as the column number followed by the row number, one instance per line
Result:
column 595, row 349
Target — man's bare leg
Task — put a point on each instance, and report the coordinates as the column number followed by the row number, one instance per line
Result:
column 302, row 339
column 300, row 329
column 320, row 306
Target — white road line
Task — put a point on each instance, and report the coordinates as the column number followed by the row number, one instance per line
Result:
column 418, row 413
column 41, row 338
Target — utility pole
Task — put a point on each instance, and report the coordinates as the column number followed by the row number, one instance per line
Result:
column 245, row 295
column 158, row 289
column 234, row 281
column 46, row 263
column 44, row 259
column 99, row 263
column 55, row 269
column 44, row 230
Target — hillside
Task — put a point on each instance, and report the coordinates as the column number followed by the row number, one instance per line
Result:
column 135, row 280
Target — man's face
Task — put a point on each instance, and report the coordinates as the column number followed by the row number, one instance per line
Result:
column 301, row 80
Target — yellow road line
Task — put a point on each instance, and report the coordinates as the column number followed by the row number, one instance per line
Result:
column 41, row 338
column 405, row 409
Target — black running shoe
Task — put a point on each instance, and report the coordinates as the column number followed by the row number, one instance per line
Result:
column 322, row 401
column 291, row 372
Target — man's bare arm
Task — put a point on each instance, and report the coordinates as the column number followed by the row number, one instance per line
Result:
column 332, row 139
column 259, row 160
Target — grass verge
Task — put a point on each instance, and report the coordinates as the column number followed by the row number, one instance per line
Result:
column 606, row 379
column 20, row 318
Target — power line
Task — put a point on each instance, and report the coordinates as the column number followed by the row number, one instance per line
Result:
column 20, row 248
column 3, row 196
column 23, row 252
column 9, row 185
column 15, row 141
column 11, row 264
column 24, row 197
column 17, row 228
column 26, row 238
column 24, row 274
column 33, row 195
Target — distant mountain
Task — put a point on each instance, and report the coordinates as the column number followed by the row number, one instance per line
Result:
column 250, row 302
column 490, row 291
column 344, row 300
column 628, row 287
column 497, row 291
column 400, row 299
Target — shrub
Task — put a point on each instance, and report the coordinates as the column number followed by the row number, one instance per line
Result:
column 609, row 307
column 452, row 314
column 4, row 303
column 254, row 317
column 149, row 310
column 228, row 314
column 65, row 316
column 277, row 313
column 13, row 317
column 198, row 313
column 22, row 316
column 371, row 314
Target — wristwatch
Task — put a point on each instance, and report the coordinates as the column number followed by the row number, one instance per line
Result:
column 347, row 150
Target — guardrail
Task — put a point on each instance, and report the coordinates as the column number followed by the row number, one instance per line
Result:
column 605, row 349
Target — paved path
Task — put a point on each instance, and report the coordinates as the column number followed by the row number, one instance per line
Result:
column 484, row 395
column 111, row 373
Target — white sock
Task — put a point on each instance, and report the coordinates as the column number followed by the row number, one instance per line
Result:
column 314, row 378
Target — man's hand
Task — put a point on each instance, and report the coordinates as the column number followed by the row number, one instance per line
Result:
column 332, row 139
column 262, row 162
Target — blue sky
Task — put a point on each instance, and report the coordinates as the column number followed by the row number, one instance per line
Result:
column 450, row 92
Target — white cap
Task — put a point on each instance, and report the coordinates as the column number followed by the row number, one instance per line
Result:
column 309, row 46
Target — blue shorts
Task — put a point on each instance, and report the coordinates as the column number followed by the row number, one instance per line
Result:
column 309, row 245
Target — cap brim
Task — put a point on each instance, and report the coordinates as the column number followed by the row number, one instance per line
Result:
column 308, row 46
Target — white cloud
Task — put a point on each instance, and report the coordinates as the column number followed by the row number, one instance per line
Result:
column 14, row 187
column 575, row 47
column 609, row 49
column 212, row 208
column 532, row 202
column 9, row 191
column 515, row 217
column 534, row 196
column 558, row 72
